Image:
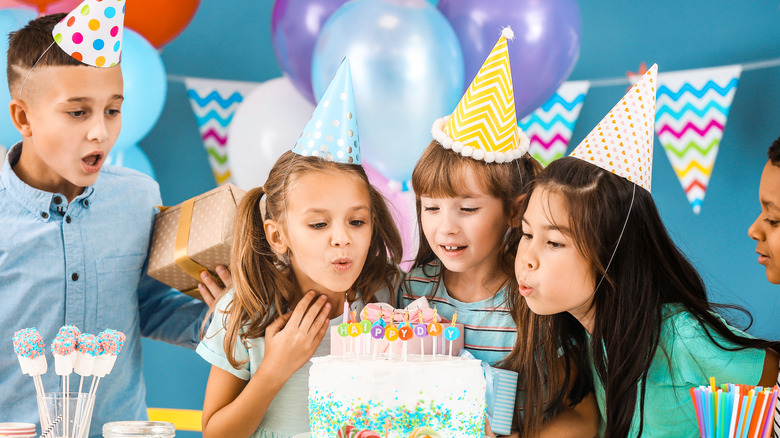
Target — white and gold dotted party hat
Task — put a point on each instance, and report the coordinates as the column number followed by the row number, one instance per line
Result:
column 92, row 33
column 332, row 132
column 484, row 124
column 622, row 142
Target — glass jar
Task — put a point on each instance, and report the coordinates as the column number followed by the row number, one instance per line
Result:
column 139, row 429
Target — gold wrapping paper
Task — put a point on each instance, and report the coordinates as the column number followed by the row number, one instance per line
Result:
column 192, row 236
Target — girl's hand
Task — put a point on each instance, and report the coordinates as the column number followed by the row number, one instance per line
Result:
column 293, row 338
column 489, row 432
column 209, row 289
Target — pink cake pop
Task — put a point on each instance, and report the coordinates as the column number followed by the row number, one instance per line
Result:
column 87, row 349
column 30, row 349
column 111, row 343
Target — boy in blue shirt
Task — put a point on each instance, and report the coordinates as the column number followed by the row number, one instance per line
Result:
column 75, row 235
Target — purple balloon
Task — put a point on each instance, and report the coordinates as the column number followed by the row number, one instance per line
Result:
column 543, row 52
column 295, row 25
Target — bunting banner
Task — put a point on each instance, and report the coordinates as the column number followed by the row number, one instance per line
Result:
column 691, row 111
column 214, row 102
column 550, row 127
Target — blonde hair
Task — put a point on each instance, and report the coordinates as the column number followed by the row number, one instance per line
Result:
column 263, row 285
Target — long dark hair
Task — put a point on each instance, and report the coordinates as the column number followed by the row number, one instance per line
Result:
column 647, row 272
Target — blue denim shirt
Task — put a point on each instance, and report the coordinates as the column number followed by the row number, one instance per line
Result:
column 84, row 263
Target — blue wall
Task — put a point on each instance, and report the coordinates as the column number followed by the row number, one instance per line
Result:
column 617, row 36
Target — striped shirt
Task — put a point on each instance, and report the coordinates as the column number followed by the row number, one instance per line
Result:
column 489, row 329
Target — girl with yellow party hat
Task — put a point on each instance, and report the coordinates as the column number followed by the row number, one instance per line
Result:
column 596, row 257
column 467, row 185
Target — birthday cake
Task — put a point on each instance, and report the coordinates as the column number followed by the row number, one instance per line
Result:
column 416, row 396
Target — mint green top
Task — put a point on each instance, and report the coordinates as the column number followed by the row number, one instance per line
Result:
column 694, row 359
column 288, row 413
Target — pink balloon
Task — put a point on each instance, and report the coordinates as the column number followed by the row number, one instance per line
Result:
column 402, row 207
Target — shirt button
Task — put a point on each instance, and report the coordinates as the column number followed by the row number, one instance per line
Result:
column 86, row 202
column 74, row 276
column 57, row 200
column 67, row 219
column 44, row 215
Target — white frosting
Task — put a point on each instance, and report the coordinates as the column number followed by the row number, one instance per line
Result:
column 447, row 394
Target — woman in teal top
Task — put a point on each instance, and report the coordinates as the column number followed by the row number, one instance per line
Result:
column 596, row 257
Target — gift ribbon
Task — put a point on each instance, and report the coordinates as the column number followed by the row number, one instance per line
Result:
column 491, row 383
column 180, row 256
column 372, row 311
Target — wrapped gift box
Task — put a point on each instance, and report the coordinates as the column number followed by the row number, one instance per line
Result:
column 192, row 236
column 501, row 387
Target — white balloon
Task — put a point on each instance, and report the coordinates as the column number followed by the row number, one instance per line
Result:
column 266, row 124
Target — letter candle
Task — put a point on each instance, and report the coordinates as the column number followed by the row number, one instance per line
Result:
column 378, row 332
column 421, row 330
column 391, row 334
column 451, row 333
column 355, row 330
column 405, row 333
column 434, row 329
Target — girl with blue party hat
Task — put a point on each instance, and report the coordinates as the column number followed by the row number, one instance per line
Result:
column 467, row 185
column 322, row 236
column 596, row 257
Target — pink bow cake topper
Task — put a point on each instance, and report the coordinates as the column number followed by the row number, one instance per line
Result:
column 382, row 326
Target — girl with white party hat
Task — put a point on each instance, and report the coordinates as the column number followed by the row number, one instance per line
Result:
column 596, row 256
column 467, row 185
column 323, row 236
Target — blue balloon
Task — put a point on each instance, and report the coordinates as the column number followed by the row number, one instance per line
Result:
column 407, row 71
column 132, row 157
column 145, row 88
column 11, row 19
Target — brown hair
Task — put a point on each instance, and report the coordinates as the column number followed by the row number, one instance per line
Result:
column 27, row 44
column 442, row 172
column 263, row 286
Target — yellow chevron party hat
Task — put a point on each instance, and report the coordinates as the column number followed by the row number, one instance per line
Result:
column 484, row 124
column 622, row 142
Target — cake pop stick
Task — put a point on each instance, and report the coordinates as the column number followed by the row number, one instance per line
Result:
column 63, row 349
column 86, row 349
column 110, row 345
column 30, row 350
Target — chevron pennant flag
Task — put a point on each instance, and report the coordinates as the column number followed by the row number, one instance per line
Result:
column 691, row 111
column 484, row 120
column 214, row 102
column 549, row 127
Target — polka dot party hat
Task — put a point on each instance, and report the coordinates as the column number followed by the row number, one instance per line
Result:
column 484, row 124
column 332, row 132
column 622, row 142
column 92, row 33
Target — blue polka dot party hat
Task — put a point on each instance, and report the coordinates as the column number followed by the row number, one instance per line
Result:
column 332, row 132
column 92, row 33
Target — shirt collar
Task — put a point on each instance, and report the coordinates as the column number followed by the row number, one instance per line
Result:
column 41, row 204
